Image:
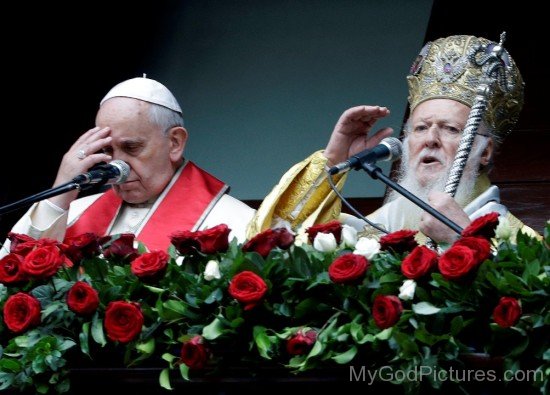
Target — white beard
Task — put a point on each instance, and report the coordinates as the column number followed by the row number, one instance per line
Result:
column 408, row 180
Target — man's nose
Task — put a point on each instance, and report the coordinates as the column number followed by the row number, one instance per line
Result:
column 433, row 136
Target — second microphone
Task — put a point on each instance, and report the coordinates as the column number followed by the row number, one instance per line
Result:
column 389, row 149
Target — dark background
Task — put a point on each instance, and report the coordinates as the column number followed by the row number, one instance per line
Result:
column 113, row 41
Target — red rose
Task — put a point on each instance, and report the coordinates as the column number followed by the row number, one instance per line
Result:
column 22, row 244
column 457, row 262
column 334, row 227
column 248, row 288
column 82, row 298
column 386, row 310
column 301, row 342
column 194, row 353
column 348, row 269
column 151, row 265
column 419, row 262
column 82, row 246
column 507, row 312
column 400, row 241
column 21, row 312
column 43, row 262
column 480, row 246
column 185, row 242
column 264, row 242
column 16, row 239
column 284, row 238
column 207, row 241
column 119, row 246
column 214, row 240
column 10, row 269
column 483, row 226
column 123, row 321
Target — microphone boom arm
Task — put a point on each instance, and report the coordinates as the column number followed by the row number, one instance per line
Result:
column 69, row 186
column 116, row 171
column 376, row 173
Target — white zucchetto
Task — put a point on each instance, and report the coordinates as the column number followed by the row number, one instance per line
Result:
column 144, row 89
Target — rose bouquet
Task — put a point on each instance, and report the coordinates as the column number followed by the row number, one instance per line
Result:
column 208, row 305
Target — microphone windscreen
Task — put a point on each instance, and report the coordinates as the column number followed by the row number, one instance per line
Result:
column 123, row 170
column 395, row 146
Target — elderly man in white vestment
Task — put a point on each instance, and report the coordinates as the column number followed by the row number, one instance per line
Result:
column 139, row 122
column 442, row 89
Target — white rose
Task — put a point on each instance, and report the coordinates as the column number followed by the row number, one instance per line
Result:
column 503, row 230
column 367, row 247
column 212, row 271
column 324, row 242
column 406, row 291
column 349, row 236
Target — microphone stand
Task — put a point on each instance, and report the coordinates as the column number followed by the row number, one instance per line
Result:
column 69, row 186
column 39, row 196
column 376, row 173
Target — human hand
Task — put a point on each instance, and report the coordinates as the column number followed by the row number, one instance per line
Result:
column 351, row 133
column 446, row 205
column 82, row 155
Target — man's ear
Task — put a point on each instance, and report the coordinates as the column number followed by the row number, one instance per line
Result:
column 487, row 154
column 178, row 138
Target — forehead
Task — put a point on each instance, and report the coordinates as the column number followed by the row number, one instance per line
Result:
column 438, row 110
column 126, row 117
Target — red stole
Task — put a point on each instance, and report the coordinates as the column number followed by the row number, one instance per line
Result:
column 184, row 207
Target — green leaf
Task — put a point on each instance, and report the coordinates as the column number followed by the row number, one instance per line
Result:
column 6, row 380
column 164, row 379
column 184, row 371
column 317, row 349
column 83, row 337
column 97, row 331
column 257, row 260
column 263, row 341
column 408, row 346
column 44, row 294
column 428, row 338
column 169, row 358
column 7, row 364
column 305, row 307
column 63, row 386
column 345, row 357
column 425, row 308
column 391, row 278
column 142, row 249
column 215, row 296
column 147, row 347
column 385, row 334
column 52, row 308
column 282, row 309
column 23, row 341
column 175, row 306
column 457, row 324
column 213, row 330
column 155, row 290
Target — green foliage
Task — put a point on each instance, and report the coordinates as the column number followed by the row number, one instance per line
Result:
column 442, row 322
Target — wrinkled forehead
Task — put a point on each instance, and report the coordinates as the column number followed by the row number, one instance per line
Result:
column 440, row 109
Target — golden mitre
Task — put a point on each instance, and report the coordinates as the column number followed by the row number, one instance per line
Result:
column 453, row 68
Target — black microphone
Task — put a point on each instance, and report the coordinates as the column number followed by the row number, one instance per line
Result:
column 389, row 149
column 114, row 172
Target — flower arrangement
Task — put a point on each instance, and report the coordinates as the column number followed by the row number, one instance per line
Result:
column 335, row 300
